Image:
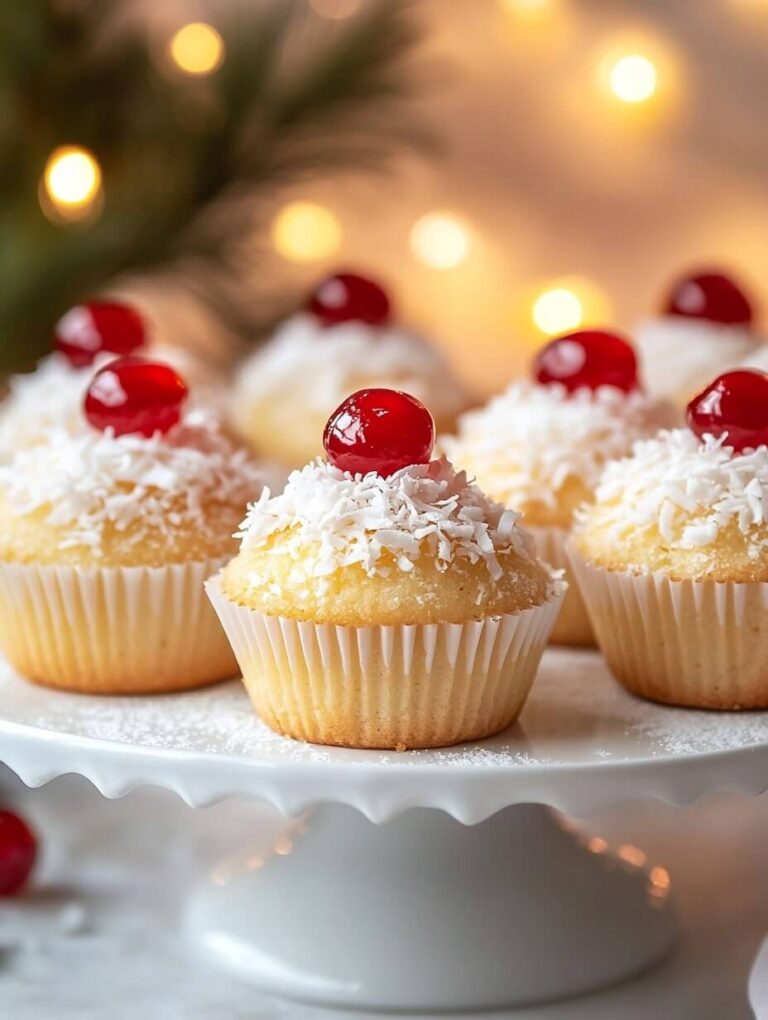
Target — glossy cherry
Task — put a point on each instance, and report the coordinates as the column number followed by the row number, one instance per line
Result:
column 90, row 329
column 379, row 430
column 18, row 850
column 712, row 296
column 588, row 358
column 348, row 297
column 736, row 405
column 135, row 394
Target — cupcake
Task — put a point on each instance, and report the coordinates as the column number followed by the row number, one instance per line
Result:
column 542, row 445
column 344, row 339
column 107, row 535
column 706, row 326
column 382, row 600
column 672, row 555
column 86, row 338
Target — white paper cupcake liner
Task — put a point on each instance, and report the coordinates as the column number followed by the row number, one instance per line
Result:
column 701, row 644
column 425, row 685
column 573, row 626
column 113, row 630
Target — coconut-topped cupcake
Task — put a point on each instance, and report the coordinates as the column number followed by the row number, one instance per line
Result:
column 419, row 606
column 706, row 325
column 343, row 339
column 542, row 445
column 673, row 554
column 86, row 338
column 106, row 537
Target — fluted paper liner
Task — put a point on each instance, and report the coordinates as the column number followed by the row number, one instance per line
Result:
column 701, row 644
column 113, row 630
column 573, row 626
column 425, row 685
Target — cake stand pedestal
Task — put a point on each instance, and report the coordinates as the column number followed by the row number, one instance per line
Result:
column 476, row 893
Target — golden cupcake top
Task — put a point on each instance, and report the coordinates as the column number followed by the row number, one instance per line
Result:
column 382, row 533
column 144, row 484
column 542, row 445
column 692, row 502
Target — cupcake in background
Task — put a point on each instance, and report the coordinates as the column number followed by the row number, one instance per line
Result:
column 672, row 556
column 706, row 326
column 86, row 338
column 108, row 533
column 382, row 600
column 542, row 445
column 345, row 338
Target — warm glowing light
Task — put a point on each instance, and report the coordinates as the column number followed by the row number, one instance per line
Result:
column 335, row 9
column 557, row 311
column 197, row 49
column 305, row 232
column 597, row 845
column 283, row 846
column 633, row 78
column 529, row 8
column 632, row 855
column 440, row 240
column 660, row 878
column 71, row 180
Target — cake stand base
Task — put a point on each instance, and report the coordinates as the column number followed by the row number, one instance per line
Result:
column 426, row 914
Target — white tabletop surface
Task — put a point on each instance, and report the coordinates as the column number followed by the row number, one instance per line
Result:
column 97, row 936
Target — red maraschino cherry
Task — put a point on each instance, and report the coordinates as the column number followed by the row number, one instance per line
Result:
column 90, row 329
column 588, row 358
column 18, row 850
column 349, row 297
column 736, row 405
column 135, row 395
column 712, row 296
column 379, row 430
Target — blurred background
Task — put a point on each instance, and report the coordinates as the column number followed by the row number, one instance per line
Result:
column 512, row 168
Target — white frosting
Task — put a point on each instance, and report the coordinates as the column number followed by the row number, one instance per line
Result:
column 422, row 510
column 680, row 356
column 532, row 439
column 51, row 397
column 320, row 367
column 96, row 479
column 689, row 489
column 757, row 358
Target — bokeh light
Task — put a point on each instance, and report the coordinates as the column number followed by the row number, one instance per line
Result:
column 440, row 240
column 557, row 310
column 335, row 9
column 306, row 232
column 71, row 182
column 197, row 49
column 633, row 78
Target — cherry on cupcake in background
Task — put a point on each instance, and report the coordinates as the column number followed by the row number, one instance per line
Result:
column 18, row 853
column 672, row 555
column 706, row 324
column 542, row 445
column 107, row 535
column 345, row 336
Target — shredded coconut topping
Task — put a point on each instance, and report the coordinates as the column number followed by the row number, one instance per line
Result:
column 422, row 510
column 96, row 479
column 689, row 489
column 327, row 364
column 679, row 356
column 532, row 438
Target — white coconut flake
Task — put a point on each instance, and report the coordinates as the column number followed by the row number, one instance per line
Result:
column 423, row 510
column 532, row 439
column 689, row 489
column 95, row 479
column 325, row 365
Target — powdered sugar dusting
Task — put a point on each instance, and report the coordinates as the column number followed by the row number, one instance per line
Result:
column 325, row 364
column 422, row 510
column 96, row 479
column 576, row 715
column 689, row 489
column 532, row 439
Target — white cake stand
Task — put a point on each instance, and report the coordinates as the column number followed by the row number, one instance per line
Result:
column 511, row 907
